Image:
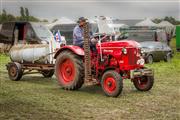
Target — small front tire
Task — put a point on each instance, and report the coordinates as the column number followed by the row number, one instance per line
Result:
column 112, row 83
column 144, row 83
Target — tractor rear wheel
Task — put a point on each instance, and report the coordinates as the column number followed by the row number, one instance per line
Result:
column 47, row 73
column 15, row 71
column 112, row 83
column 69, row 70
column 144, row 83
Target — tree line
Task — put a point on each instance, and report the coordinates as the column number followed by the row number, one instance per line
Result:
column 169, row 19
column 24, row 16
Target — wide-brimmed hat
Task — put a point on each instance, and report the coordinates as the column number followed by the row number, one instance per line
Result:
column 81, row 19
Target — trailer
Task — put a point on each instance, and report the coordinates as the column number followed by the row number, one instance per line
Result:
column 32, row 48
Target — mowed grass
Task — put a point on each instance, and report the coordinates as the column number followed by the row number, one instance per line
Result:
column 35, row 97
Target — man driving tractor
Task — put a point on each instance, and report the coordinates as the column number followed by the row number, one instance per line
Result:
column 78, row 38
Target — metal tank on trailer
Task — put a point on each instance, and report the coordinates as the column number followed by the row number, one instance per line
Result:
column 33, row 48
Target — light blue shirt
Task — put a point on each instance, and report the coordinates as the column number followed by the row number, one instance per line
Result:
column 78, row 35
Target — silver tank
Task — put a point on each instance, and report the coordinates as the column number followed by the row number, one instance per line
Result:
column 37, row 53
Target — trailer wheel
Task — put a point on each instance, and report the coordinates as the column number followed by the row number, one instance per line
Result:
column 112, row 83
column 144, row 83
column 69, row 70
column 15, row 71
column 47, row 73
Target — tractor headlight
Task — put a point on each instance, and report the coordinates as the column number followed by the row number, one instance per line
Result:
column 142, row 51
column 124, row 50
column 140, row 61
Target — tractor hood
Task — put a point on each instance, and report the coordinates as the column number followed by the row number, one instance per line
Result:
column 122, row 43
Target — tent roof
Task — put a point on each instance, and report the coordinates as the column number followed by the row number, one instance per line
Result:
column 165, row 23
column 118, row 25
column 146, row 22
column 62, row 20
column 129, row 22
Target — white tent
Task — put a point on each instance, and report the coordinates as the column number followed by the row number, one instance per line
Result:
column 62, row 20
column 103, row 26
column 117, row 27
column 147, row 22
column 169, row 28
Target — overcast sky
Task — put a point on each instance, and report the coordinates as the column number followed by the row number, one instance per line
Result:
column 122, row 9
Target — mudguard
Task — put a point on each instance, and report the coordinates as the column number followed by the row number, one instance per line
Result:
column 75, row 49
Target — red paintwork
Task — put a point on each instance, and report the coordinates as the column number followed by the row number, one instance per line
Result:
column 66, row 71
column 118, row 59
column 113, row 57
column 75, row 49
column 122, row 43
column 109, row 84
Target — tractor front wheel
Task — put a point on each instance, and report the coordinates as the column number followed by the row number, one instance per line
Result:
column 143, row 83
column 69, row 70
column 112, row 83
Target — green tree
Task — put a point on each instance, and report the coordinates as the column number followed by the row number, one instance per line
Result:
column 3, row 16
column 33, row 19
column 157, row 20
column 27, row 13
column 171, row 20
column 4, row 12
column 22, row 12
column 11, row 17
column 44, row 20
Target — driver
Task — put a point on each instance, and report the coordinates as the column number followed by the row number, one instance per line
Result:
column 78, row 38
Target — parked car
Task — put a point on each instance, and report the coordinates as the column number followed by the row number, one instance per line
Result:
column 156, row 51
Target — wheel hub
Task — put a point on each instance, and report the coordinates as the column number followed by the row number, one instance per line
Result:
column 67, row 71
column 13, row 71
column 110, row 84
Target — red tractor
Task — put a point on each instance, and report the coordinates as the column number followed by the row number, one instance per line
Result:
column 110, row 64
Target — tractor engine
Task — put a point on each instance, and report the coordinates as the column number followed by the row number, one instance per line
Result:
column 119, row 55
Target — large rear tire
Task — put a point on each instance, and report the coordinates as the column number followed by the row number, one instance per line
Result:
column 15, row 71
column 144, row 83
column 69, row 70
column 112, row 83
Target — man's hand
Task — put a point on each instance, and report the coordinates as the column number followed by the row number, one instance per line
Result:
column 94, row 41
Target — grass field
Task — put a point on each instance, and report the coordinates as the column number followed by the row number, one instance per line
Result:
column 35, row 97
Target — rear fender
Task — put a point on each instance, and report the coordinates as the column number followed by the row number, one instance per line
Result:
column 75, row 49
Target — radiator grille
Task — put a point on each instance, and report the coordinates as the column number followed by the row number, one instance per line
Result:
column 132, row 58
